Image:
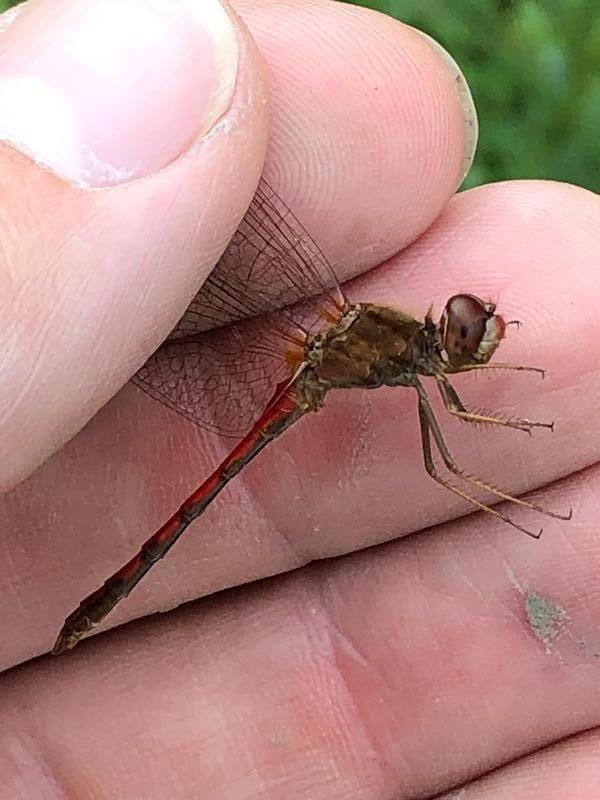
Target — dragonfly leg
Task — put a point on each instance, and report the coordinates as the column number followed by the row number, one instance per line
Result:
column 455, row 406
column 429, row 426
column 500, row 365
column 432, row 424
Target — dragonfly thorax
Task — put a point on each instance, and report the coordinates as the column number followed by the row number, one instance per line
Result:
column 380, row 345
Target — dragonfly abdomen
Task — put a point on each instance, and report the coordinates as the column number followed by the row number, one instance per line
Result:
column 283, row 412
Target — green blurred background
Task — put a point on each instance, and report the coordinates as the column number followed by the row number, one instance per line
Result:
column 534, row 70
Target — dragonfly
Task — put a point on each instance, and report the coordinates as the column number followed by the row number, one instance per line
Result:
column 265, row 340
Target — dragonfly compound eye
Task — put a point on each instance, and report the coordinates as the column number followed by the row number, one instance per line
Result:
column 470, row 330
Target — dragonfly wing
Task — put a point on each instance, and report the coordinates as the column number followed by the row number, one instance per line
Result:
column 271, row 263
column 221, row 379
column 220, row 375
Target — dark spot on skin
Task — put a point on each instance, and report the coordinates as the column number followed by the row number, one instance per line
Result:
column 546, row 619
column 464, row 331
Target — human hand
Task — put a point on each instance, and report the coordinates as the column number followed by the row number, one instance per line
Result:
column 398, row 671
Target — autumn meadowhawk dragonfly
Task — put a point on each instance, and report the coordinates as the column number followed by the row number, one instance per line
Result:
column 268, row 336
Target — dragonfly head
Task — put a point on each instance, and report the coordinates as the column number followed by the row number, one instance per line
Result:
column 470, row 331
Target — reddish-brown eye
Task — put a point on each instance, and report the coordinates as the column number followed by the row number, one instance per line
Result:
column 463, row 327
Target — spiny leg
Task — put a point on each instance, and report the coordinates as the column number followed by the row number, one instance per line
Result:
column 432, row 471
column 455, row 406
column 501, row 365
column 478, row 482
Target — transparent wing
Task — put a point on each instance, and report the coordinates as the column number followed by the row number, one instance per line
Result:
column 222, row 375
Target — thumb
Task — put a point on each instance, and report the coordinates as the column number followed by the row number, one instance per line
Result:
column 132, row 136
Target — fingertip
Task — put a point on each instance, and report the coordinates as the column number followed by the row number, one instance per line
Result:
column 369, row 140
column 471, row 124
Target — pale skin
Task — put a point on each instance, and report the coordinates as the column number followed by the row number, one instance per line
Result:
column 396, row 671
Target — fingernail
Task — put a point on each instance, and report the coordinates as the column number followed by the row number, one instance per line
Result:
column 106, row 92
column 466, row 98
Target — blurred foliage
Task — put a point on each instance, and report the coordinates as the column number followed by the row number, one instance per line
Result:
column 534, row 71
